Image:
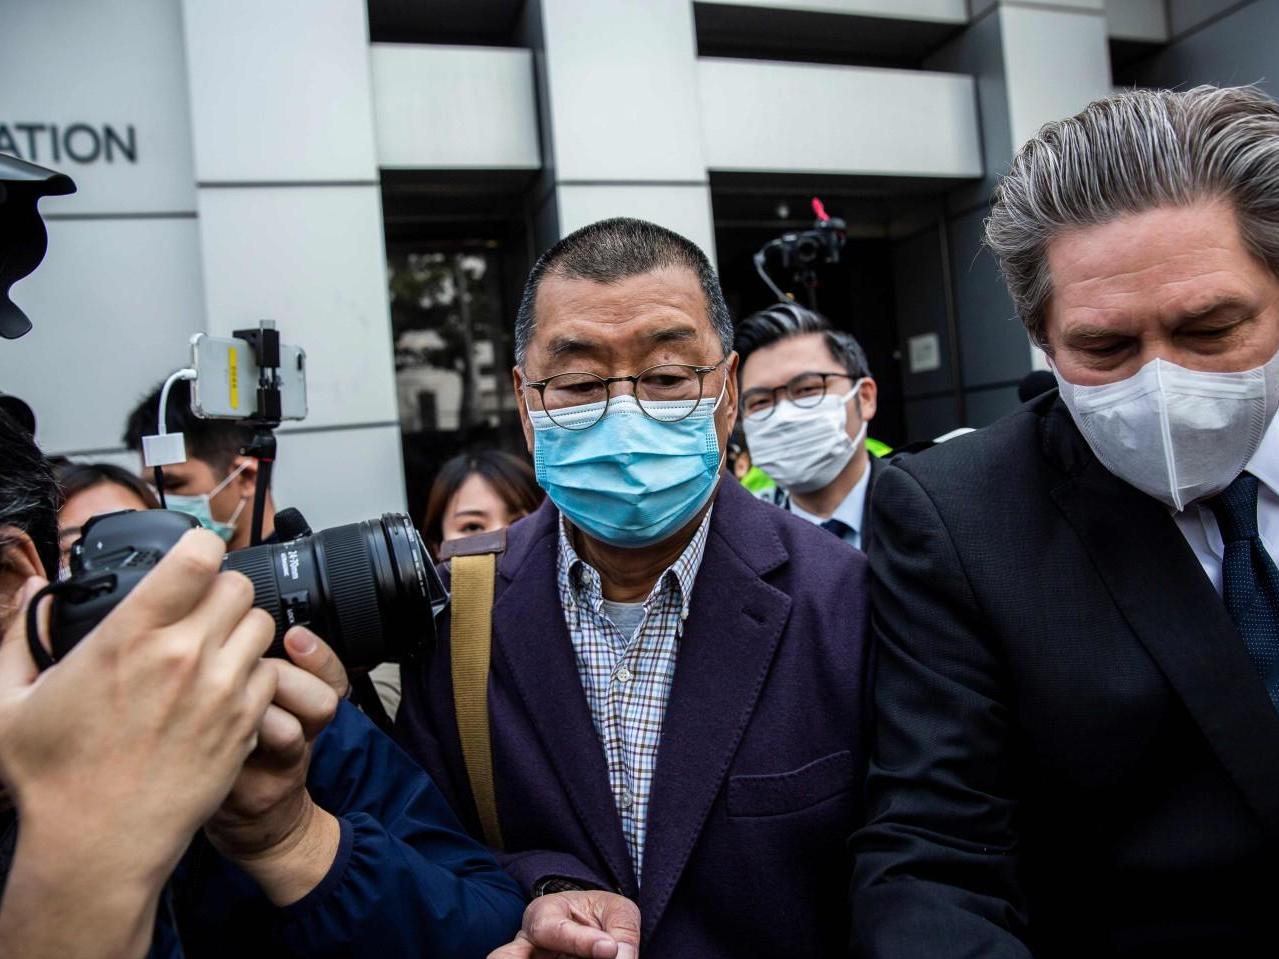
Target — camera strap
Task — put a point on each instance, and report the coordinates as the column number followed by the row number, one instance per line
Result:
column 474, row 571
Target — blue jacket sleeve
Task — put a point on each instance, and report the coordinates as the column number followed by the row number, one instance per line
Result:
column 407, row 879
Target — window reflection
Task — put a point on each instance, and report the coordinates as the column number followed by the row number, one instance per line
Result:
column 452, row 351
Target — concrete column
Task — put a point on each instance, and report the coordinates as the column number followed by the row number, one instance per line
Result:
column 621, row 125
column 291, row 230
column 1034, row 62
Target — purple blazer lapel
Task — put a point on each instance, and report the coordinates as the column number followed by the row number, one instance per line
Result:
column 531, row 640
column 735, row 622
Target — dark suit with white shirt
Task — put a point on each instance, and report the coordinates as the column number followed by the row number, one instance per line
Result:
column 1074, row 754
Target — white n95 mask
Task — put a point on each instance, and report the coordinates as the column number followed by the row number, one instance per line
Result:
column 1178, row 435
column 804, row 448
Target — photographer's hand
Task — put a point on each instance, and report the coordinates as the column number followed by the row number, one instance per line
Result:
column 269, row 825
column 115, row 756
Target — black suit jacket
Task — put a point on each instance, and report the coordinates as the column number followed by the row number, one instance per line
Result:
column 876, row 466
column 1073, row 755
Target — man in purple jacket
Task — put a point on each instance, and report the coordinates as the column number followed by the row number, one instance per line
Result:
column 676, row 677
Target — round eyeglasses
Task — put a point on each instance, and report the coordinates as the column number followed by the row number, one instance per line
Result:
column 805, row 390
column 669, row 393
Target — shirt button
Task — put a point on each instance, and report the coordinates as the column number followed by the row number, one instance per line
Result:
column 623, row 675
column 624, row 799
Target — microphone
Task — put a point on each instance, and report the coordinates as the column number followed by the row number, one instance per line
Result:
column 290, row 524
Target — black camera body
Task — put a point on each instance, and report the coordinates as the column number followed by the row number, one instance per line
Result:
column 369, row 589
column 809, row 248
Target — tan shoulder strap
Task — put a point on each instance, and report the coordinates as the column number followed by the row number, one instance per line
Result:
column 471, row 633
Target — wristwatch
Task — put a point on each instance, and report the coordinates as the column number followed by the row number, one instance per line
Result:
column 552, row 884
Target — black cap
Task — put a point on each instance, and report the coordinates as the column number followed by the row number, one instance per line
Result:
column 18, row 411
column 22, row 236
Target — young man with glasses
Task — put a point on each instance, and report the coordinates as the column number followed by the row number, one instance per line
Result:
column 676, row 669
column 807, row 397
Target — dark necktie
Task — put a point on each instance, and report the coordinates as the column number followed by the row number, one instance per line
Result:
column 838, row 527
column 1249, row 578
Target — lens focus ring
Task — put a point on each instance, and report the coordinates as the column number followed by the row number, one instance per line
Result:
column 259, row 566
column 352, row 589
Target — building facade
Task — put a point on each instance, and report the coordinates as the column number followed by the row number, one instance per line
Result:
column 377, row 175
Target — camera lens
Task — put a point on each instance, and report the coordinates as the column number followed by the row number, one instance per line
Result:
column 807, row 250
column 368, row 589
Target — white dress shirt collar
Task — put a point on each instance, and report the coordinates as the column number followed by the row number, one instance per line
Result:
column 1199, row 526
column 849, row 512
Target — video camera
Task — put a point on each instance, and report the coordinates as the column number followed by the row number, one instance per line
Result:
column 368, row 589
column 800, row 253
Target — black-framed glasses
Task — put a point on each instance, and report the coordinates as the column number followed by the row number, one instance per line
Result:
column 805, row 390
column 668, row 392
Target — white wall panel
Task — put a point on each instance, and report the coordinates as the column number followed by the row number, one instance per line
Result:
column 120, row 64
column 1057, row 63
column 620, row 77
column 340, row 476
column 684, row 209
column 312, row 259
column 114, row 304
column 280, row 90
column 449, row 107
column 761, row 116
column 950, row 11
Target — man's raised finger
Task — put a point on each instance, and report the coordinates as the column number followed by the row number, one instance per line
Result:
column 174, row 588
column 308, row 698
column 280, row 736
column 248, row 643
column 227, row 601
column 316, row 656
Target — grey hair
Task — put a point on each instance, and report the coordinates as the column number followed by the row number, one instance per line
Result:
column 612, row 250
column 1128, row 153
column 781, row 321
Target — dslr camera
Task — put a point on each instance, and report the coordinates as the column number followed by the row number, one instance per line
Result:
column 368, row 589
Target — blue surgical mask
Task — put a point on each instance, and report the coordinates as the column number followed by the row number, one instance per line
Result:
column 629, row 480
column 199, row 507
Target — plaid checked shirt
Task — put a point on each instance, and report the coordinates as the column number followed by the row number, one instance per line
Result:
column 627, row 681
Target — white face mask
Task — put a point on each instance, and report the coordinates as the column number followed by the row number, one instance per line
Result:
column 804, row 448
column 1178, row 435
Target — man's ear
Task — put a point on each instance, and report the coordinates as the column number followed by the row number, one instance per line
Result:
column 868, row 399
column 19, row 561
column 247, row 480
column 517, row 383
column 730, row 390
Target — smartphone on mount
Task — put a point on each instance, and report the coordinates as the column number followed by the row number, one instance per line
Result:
column 226, row 379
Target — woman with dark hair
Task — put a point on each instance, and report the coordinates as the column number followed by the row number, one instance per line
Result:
column 476, row 493
column 91, row 489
